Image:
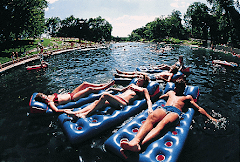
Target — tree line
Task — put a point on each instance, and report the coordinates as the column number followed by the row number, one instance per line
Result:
column 25, row 18
column 93, row 29
column 21, row 18
column 220, row 24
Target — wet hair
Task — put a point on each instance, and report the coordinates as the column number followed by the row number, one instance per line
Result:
column 39, row 98
column 180, row 83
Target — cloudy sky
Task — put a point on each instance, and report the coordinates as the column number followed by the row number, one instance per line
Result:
column 123, row 15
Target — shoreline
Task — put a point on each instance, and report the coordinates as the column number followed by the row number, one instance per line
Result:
column 9, row 65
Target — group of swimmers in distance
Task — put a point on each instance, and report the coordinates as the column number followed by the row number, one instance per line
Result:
column 165, row 75
column 162, row 116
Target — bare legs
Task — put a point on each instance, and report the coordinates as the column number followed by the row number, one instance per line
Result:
column 147, row 132
column 105, row 99
column 162, row 67
column 86, row 88
column 84, row 85
column 127, row 74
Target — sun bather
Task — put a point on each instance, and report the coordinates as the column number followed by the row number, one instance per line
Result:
column 81, row 91
column 162, row 116
column 165, row 75
column 130, row 93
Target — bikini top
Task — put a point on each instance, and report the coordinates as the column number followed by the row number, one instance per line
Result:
column 55, row 99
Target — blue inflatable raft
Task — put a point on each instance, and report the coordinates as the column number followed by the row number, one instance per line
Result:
column 39, row 107
column 149, row 69
column 170, row 141
column 82, row 129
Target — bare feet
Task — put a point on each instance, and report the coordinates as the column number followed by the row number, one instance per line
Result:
column 119, row 72
column 127, row 146
column 69, row 111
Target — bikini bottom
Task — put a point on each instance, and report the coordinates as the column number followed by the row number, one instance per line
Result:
column 122, row 99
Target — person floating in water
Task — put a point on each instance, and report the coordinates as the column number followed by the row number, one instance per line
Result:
column 165, row 75
column 179, row 64
column 162, row 116
column 81, row 91
column 130, row 93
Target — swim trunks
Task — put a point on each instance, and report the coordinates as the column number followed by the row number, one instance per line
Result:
column 122, row 99
column 169, row 109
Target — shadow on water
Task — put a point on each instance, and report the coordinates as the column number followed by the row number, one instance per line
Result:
column 40, row 138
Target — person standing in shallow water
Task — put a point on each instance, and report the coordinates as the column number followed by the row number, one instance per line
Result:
column 162, row 116
column 81, row 91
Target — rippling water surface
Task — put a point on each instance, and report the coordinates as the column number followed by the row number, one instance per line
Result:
column 40, row 138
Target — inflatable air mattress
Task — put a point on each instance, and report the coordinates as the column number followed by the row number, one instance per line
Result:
column 83, row 129
column 168, row 144
column 39, row 107
column 149, row 69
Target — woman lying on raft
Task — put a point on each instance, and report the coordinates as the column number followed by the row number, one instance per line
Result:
column 130, row 93
column 165, row 75
column 81, row 91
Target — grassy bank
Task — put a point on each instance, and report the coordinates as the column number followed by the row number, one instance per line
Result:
column 29, row 47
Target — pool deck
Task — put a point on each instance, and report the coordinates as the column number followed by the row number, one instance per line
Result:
column 23, row 60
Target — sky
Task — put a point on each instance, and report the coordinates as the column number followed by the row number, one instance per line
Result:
column 124, row 15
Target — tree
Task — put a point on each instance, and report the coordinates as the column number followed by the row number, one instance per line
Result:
column 197, row 19
column 228, row 13
column 99, row 29
column 21, row 17
column 53, row 24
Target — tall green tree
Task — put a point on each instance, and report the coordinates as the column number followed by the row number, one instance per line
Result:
column 197, row 19
column 99, row 29
column 229, row 12
column 21, row 17
column 53, row 24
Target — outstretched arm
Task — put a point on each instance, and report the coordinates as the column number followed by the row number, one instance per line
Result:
column 149, row 102
column 170, row 77
column 54, row 108
column 163, row 96
column 118, row 89
column 201, row 110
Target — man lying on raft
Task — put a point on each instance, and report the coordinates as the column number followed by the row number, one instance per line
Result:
column 162, row 116
column 81, row 91
column 165, row 75
column 130, row 93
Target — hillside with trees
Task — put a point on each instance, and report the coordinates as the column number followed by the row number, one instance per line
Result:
column 219, row 24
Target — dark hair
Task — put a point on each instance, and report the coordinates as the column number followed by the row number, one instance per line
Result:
column 146, row 80
column 180, row 83
column 174, row 69
column 39, row 98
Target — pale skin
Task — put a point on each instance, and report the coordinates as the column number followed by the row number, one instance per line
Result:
column 180, row 62
column 147, row 131
column 129, row 94
column 81, row 91
column 165, row 75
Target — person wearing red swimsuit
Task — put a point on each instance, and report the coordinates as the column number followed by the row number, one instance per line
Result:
column 81, row 91
column 130, row 93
